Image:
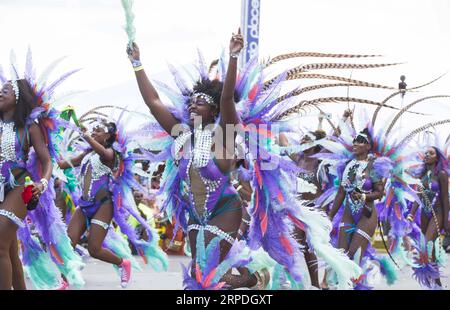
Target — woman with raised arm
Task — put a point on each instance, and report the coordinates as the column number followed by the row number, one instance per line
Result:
column 95, row 207
column 208, row 207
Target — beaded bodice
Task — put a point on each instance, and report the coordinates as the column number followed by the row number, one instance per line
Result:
column 215, row 183
column 430, row 192
column 356, row 178
column 100, row 173
column 10, row 151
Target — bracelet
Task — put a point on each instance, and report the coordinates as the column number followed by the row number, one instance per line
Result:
column 234, row 55
column 246, row 221
column 363, row 197
column 239, row 188
column 410, row 217
column 136, row 63
column 44, row 182
column 139, row 68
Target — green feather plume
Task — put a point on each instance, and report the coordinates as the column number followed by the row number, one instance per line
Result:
column 129, row 21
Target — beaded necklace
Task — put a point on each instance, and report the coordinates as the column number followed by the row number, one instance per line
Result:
column 98, row 169
column 353, row 178
column 199, row 157
column 7, row 151
column 428, row 192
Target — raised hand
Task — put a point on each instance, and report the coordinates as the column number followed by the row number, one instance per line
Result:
column 347, row 113
column 133, row 53
column 236, row 43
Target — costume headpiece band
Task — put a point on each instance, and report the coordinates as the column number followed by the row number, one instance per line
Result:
column 364, row 136
column 209, row 100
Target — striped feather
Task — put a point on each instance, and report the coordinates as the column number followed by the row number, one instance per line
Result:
column 408, row 107
column 420, row 129
column 303, row 103
column 314, row 54
column 375, row 113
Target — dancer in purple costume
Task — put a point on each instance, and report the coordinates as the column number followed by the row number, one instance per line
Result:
column 433, row 194
column 213, row 204
column 17, row 137
column 95, row 207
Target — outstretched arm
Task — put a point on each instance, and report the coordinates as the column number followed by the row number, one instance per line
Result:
column 73, row 162
column 228, row 115
column 283, row 141
column 227, row 104
column 149, row 93
column 348, row 114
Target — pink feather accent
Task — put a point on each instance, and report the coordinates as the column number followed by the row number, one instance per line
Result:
column 198, row 273
column 390, row 197
column 252, row 93
column 299, row 224
column 258, row 175
column 286, row 244
column 263, row 218
column 397, row 211
column 280, row 197
column 209, row 277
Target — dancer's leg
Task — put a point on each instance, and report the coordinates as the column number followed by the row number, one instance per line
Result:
column 18, row 280
column 97, row 234
column 77, row 226
column 361, row 238
column 432, row 234
column 310, row 258
column 8, row 229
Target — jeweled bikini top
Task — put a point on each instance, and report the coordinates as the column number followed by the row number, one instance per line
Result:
column 10, row 149
column 98, row 169
column 199, row 158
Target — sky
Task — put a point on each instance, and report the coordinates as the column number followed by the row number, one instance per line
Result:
column 90, row 33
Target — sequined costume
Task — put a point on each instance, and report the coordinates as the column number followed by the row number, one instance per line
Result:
column 358, row 176
column 43, row 265
column 204, row 185
column 12, row 163
column 429, row 194
column 95, row 181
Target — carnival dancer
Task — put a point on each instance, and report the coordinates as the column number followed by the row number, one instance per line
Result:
column 417, row 180
column 361, row 184
column 308, row 188
column 212, row 202
column 434, row 202
column 102, row 167
column 27, row 116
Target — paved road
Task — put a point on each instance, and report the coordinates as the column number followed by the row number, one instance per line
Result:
column 102, row 276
